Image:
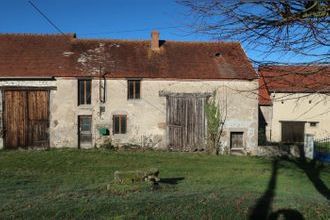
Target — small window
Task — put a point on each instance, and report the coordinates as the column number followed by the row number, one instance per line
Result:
column 84, row 91
column 133, row 89
column 313, row 124
column 119, row 124
column 85, row 123
column 236, row 140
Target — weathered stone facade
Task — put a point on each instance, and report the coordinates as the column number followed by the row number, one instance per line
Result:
column 146, row 117
column 165, row 69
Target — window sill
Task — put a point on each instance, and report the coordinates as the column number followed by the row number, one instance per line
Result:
column 119, row 135
column 89, row 106
column 134, row 101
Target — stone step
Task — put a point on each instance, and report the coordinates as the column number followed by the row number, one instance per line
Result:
column 237, row 151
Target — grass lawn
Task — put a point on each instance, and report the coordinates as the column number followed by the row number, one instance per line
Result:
column 75, row 184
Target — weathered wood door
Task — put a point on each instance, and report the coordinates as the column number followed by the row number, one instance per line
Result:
column 26, row 118
column 293, row 132
column 186, row 122
column 85, row 131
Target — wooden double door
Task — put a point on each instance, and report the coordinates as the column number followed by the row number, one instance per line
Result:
column 25, row 118
column 293, row 132
column 186, row 125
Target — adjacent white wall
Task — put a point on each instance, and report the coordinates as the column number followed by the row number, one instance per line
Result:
column 301, row 107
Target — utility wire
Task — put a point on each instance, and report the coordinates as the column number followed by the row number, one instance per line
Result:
column 46, row 17
column 95, row 33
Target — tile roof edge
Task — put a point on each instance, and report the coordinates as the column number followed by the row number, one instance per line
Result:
column 147, row 41
column 73, row 35
column 76, row 36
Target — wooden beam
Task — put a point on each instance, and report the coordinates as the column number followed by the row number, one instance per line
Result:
column 28, row 88
column 27, row 78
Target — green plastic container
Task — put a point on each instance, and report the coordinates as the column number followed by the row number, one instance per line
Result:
column 104, row 131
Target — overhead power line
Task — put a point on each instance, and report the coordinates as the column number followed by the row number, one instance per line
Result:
column 97, row 33
column 46, row 17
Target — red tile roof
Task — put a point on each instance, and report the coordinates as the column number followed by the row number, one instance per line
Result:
column 292, row 79
column 34, row 55
column 264, row 95
column 58, row 55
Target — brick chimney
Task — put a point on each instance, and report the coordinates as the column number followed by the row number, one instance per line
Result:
column 155, row 40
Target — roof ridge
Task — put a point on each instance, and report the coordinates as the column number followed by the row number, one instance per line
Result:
column 167, row 41
column 108, row 40
column 73, row 35
column 204, row 42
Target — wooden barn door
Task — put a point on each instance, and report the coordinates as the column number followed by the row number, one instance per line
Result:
column 37, row 118
column 186, row 123
column 293, row 132
column 14, row 119
column 26, row 118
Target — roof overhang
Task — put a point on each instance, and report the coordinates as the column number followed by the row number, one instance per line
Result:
column 36, row 78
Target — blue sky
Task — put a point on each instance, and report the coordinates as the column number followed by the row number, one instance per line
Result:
column 119, row 19
column 96, row 18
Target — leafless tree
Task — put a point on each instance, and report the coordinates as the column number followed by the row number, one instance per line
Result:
column 277, row 28
column 97, row 62
column 297, row 26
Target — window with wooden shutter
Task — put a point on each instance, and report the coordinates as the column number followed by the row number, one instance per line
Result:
column 133, row 89
column 236, row 140
column 84, row 91
column 119, row 124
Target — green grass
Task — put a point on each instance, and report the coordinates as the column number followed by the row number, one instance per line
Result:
column 75, row 184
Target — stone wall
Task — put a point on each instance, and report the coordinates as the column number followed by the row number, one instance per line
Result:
column 146, row 117
column 267, row 112
column 291, row 150
column 277, row 151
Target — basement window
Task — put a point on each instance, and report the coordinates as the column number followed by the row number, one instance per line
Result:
column 119, row 124
column 84, row 91
column 236, row 140
column 133, row 89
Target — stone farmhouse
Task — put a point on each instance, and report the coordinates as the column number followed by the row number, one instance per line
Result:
column 61, row 91
column 294, row 102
